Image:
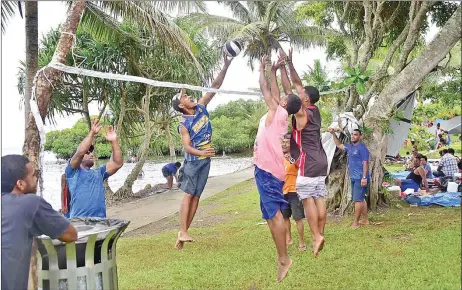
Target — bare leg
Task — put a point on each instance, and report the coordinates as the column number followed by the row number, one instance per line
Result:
column 192, row 210
column 301, row 235
column 358, row 212
column 365, row 220
column 398, row 182
column 321, row 206
column 169, row 182
column 278, row 231
column 184, row 218
column 311, row 213
column 288, row 233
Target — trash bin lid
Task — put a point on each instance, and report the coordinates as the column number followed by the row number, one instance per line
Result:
column 91, row 225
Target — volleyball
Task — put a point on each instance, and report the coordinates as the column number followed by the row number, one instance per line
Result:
column 232, row 48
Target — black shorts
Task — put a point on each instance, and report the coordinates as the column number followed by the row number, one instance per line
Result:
column 295, row 208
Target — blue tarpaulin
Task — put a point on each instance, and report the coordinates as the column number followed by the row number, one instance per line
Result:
column 442, row 199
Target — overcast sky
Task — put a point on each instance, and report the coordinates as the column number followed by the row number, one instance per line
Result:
column 51, row 14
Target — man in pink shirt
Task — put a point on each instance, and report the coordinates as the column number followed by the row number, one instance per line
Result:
column 269, row 161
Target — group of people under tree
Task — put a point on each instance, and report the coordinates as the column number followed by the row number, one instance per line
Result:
column 290, row 174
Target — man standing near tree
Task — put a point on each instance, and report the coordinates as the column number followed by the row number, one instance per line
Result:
column 358, row 166
column 308, row 154
column 86, row 185
column 196, row 136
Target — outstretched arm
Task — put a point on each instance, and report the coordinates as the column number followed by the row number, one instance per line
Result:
column 117, row 160
column 284, row 76
column 268, row 97
column 85, row 145
column 275, row 92
column 293, row 74
column 338, row 143
column 217, row 82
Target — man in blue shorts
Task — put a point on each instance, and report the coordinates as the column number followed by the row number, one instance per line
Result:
column 169, row 171
column 358, row 166
column 196, row 136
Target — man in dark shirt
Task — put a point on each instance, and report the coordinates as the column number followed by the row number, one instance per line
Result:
column 358, row 166
column 24, row 216
column 169, row 171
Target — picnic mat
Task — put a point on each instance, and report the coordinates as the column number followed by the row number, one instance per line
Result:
column 446, row 199
column 399, row 174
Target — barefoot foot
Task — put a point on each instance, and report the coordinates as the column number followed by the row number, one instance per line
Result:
column 364, row 223
column 302, row 247
column 355, row 226
column 283, row 269
column 318, row 246
column 185, row 237
column 289, row 242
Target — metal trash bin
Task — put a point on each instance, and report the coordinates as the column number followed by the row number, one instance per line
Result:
column 88, row 263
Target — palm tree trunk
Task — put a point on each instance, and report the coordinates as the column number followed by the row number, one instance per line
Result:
column 31, row 51
column 45, row 80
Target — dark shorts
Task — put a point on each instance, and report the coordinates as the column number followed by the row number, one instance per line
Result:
column 295, row 208
column 409, row 183
column 271, row 196
column 358, row 193
column 193, row 176
column 166, row 173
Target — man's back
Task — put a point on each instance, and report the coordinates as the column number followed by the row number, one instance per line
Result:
column 306, row 146
column 87, row 191
column 448, row 164
column 23, row 217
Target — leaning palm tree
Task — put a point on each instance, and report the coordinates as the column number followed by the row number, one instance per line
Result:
column 261, row 26
column 316, row 75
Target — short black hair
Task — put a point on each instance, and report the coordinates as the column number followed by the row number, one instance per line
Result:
column 424, row 157
column 178, row 164
column 438, row 124
column 13, row 169
column 293, row 104
column 419, row 156
column 287, row 136
column 441, row 152
column 445, row 151
column 312, row 93
column 451, row 151
column 407, row 153
column 359, row 131
column 176, row 105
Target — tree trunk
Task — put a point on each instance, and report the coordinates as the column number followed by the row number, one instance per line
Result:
column 126, row 190
column 412, row 75
column 45, row 80
column 171, row 143
column 31, row 51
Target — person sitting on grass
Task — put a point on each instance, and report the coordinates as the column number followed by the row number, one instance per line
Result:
column 169, row 171
column 295, row 208
column 415, row 178
column 426, row 166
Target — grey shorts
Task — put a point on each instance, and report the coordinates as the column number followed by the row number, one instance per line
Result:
column 193, row 175
column 314, row 187
column 295, row 208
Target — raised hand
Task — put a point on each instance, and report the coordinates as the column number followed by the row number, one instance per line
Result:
column 331, row 130
column 226, row 59
column 291, row 50
column 263, row 61
column 95, row 127
column 111, row 135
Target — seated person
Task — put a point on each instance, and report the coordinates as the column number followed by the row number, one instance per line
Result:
column 415, row 178
column 169, row 171
column 410, row 162
column 426, row 166
column 448, row 164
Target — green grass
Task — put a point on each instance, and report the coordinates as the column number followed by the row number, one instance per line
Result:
column 411, row 248
column 394, row 167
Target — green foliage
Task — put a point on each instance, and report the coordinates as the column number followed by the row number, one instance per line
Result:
column 357, row 78
column 64, row 142
column 318, row 12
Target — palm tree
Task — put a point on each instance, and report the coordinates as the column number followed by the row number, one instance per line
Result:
column 317, row 76
column 262, row 26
